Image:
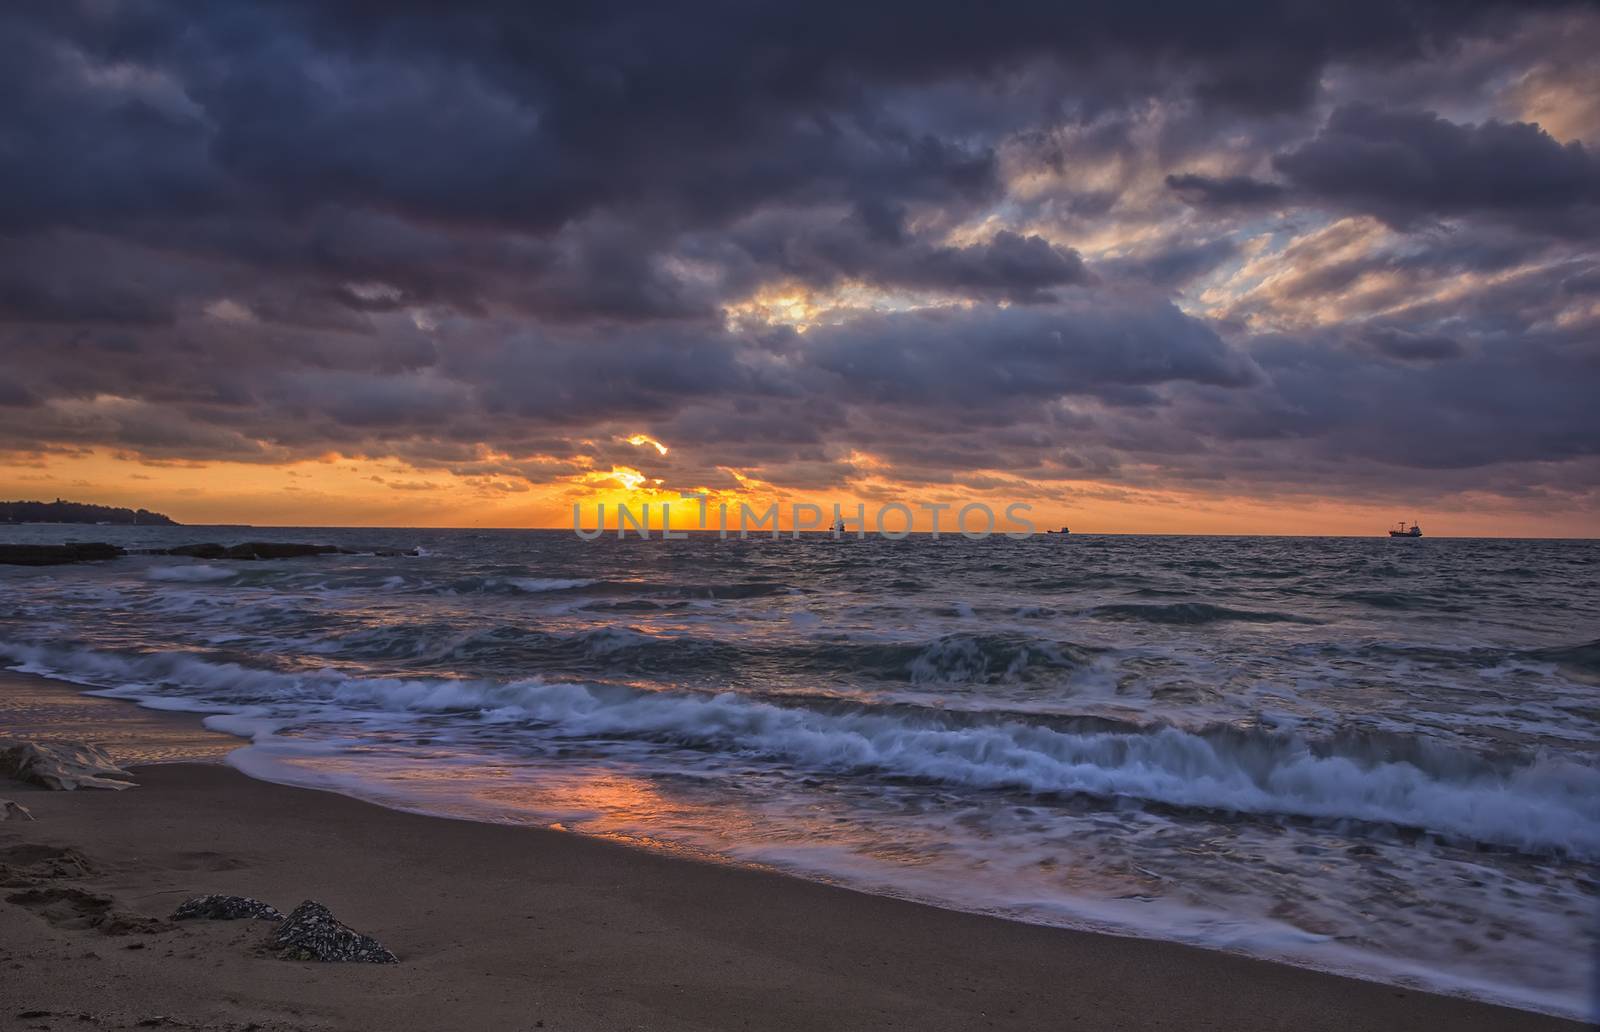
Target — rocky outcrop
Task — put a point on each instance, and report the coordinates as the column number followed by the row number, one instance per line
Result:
column 253, row 550
column 226, row 908
column 57, row 555
column 279, row 550
column 90, row 551
column 311, row 932
column 14, row 811
column 201, row 551
column 62, row 766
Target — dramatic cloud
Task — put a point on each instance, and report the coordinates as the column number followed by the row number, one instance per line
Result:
column 1338, row 250
column 1404, row 166
column 1225, row 191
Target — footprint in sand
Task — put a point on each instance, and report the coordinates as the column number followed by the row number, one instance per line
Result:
column 205, row 860
column 81, row 910
column 27, row 864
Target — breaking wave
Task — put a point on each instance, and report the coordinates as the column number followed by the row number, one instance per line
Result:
column 1585, row 657
column 517, row 585
column 1534, row 803
column 953, row 659
column 197, row 573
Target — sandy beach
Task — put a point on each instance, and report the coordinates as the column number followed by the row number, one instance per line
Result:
column 515, row 928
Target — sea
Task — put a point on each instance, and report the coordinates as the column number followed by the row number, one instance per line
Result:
column 1372, row 756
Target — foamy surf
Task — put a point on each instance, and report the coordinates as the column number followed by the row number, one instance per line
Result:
column 195, row 573
column 1203, row 742
column 1536, row 804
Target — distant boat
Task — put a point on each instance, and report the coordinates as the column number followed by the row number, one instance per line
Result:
column 1063, row 530
column 1415, row 530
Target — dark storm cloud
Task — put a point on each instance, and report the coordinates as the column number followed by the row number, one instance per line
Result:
column 1411, row 168
column 1406, row 166
column 953, row 359
column 522, row 115
column 56, row 279
column 1341, row 407
column 14, row 394
column 873, row 246
column 330, row 390
column 1412, row 347
column 270, row 230
column 77, row 148
column 1172, row 263
column 1225, row 192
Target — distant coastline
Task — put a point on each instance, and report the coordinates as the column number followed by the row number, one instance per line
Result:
column 60, row 511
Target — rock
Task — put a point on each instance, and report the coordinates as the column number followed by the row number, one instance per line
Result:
column 9, row 810
column 252, row 550
column 226, row 908
column 311, row 932
column 278, row 550
column 62, row 766
column 201, row 551
column 57, row 555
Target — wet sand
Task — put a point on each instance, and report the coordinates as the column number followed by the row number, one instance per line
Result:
column 517, row 928
column 42, row 709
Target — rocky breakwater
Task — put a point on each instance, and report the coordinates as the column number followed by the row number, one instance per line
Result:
column 83, row 552
column 56, row 555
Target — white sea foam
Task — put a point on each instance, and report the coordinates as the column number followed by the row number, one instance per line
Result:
column 1003, row 870
column 539, row 585
column 196, row 573
column 1543, row 804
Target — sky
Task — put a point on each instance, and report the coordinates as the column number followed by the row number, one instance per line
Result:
column 1146, row 267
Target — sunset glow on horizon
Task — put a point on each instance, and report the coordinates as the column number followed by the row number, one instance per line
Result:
column 346, row 491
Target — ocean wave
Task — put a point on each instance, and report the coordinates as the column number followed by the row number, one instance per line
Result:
column 950, row 660
column 539, row 585
column 1192, row 613
column 509, row 584
column 737, row 590
column 965, row 659
column 1540, row 805
column 610, row 649
column 960, row 659
column 1585, row 657
column 1535, row 803
column 634, row 605
column 1404, row 601
column 505, row 583
column 197, row 573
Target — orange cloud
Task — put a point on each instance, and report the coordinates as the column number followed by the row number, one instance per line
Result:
column 363, row 492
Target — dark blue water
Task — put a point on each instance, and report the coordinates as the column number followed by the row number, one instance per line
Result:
column 1370, row 755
